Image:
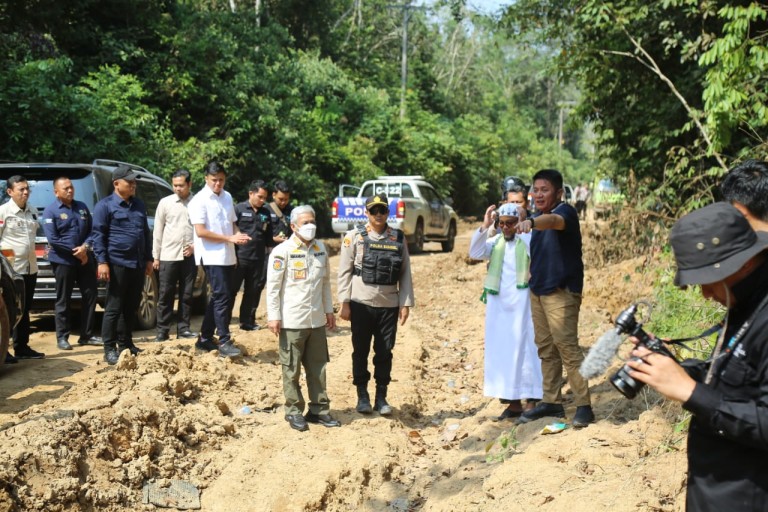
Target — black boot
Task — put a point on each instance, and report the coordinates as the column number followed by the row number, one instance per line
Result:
column 363, row 400
column 381, row 404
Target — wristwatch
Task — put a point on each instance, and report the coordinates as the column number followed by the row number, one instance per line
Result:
column 532, row 223
column 88, row 247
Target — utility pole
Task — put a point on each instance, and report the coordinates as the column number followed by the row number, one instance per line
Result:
column 406, row 7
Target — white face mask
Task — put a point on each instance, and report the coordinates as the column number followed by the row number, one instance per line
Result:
column 307, row 232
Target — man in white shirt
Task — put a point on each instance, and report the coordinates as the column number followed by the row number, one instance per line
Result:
column 18, row 225
column 173, row 254
column 212, row 214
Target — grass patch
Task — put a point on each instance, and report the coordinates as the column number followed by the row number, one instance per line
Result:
column 679, row 313
column 502, row 447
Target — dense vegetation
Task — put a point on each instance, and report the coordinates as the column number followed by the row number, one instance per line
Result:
column 675, row 89
column 661, row 95
column 301, row 90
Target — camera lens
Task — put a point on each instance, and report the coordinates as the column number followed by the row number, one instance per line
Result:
column 625, row 384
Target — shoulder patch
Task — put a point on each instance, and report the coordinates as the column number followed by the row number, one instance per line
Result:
column 347, row 242
column 278, row 263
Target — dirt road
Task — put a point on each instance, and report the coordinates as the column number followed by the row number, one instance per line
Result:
column 78, row 435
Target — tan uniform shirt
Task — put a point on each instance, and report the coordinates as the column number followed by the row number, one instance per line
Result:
column 17, row 231
column 299, row 285
column 352, row 287
column 173, row 230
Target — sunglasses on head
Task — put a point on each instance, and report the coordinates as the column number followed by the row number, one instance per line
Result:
column 379, row 210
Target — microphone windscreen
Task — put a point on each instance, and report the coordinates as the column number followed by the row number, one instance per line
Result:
column 600, row 355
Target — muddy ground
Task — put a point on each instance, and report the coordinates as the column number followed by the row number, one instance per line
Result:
column 76, row 434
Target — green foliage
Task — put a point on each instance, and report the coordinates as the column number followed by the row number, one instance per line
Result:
column 502, row 447
column 735, row 94
column 304, row 91
column 668, row 86
column 681, row 313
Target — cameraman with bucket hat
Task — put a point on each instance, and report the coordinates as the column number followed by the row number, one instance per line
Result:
column 716, row 248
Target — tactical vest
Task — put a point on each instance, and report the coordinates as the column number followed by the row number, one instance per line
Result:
column 382, row 259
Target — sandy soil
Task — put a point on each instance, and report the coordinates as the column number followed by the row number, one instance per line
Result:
column 76, row 434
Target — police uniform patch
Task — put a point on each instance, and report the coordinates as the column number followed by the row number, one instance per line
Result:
column 298, row 264
column 347, row 241
column 299, row 274
column 63, row 216
column 277, row 264
column 49, row 221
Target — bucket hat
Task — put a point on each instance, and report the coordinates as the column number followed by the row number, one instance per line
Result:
column 713, row 243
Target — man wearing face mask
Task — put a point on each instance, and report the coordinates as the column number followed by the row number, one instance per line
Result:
column 299, row 310
column 727, row 395
column 375, row 291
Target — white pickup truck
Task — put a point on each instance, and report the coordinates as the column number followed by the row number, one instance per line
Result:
column 415, row 207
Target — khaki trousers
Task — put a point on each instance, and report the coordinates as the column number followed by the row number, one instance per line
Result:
column 555, row 325
column 307, row 347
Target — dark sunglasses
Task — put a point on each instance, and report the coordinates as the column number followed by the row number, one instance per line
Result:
column 510, row 223
column 379, row 210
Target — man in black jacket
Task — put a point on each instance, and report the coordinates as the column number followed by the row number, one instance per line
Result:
column 727, row 395
column 253, row 219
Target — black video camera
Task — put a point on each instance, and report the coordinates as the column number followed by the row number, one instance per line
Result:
column 627, row 324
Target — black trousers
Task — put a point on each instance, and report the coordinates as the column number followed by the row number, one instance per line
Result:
column 253, row 276
column 218, row 313
column 66, row 277
column 175, row 274
column 381, row 325
column 21, row 333
column 123, row 297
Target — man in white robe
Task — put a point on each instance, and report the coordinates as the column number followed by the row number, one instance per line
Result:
column 512, row 364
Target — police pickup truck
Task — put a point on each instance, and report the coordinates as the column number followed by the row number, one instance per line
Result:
column 415, row 207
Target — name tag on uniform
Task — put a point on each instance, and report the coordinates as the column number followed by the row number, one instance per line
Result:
column 247, row 214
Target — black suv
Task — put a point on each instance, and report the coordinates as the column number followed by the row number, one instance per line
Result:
column 92, row 183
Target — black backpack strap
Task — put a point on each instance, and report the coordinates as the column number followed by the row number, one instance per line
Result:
column 361, row 229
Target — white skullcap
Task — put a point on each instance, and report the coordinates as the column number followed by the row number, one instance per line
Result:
column 508, row 210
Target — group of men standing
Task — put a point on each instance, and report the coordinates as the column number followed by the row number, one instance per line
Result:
column 115, row 245
column 250, row 244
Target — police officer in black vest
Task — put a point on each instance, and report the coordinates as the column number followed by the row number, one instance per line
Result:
column 375, row 291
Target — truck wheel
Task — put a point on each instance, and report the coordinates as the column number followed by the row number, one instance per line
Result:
column 146, row 315
column 5, row 331
column 448, row 244
column 418, row 239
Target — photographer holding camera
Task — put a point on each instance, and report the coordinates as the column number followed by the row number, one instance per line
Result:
column 716, row 248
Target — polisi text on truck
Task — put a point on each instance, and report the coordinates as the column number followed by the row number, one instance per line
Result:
column 353, row 210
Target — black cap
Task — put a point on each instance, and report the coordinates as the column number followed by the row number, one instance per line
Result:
column 378, row 199
column 511, row 182
column 123, row 172
column 713, row 243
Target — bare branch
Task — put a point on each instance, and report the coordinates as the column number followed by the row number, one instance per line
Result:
column 651, row 64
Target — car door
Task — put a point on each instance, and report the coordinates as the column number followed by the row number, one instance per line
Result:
column 437, row 213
